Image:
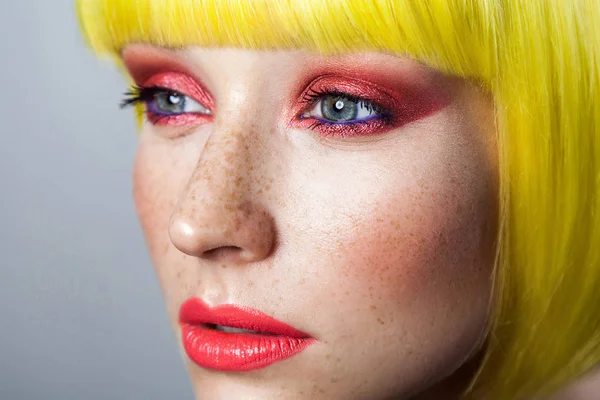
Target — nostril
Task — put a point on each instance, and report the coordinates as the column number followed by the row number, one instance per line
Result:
column 223, row 252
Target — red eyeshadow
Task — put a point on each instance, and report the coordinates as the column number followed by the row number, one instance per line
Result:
column 402, row 92
column 150, row 67
column 402, row 103
column 183, row 84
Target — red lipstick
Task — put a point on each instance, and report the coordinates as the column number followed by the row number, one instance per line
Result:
column 234, row 338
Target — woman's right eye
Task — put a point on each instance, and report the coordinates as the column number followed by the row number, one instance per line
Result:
column 170, row 103
column 166, row 106
column 163, row 102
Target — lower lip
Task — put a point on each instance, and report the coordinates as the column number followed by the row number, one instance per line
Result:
column 238, row 352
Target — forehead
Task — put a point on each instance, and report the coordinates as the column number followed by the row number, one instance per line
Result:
column 148, row 52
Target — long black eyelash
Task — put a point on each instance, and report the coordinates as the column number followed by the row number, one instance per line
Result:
column 139, row 94
column 313, row 95
column 132, row 97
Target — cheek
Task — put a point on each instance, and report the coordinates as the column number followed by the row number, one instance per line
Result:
column 159, row 177
column 157, row 180
column 422, row 243
column 421, row 239
column 404, row 262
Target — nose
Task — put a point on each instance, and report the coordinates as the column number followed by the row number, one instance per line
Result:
column 219, row 215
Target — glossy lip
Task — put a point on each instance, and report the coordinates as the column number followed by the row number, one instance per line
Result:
column 237, row 352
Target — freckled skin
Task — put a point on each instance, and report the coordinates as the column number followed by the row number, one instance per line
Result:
column 381, row 249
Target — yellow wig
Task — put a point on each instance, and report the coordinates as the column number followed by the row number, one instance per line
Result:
column 540, row 60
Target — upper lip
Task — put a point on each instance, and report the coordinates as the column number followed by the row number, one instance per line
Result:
column 195, row 312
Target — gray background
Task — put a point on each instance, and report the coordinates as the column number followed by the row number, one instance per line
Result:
column 81, row 314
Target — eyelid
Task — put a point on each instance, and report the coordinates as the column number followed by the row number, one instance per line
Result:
column 143, row 62
column 355, row 89
column 352, row 88
column 182, row 84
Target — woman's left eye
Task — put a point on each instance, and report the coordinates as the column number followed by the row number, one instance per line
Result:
column 169, row 103
column 341, row 109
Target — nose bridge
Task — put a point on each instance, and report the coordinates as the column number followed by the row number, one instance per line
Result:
column 224, row 169
column 226, row 164
column 232, row 156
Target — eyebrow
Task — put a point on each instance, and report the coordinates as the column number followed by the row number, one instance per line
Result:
column 171, row 49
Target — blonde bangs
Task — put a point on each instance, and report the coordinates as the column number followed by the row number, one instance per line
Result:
column 451, row 37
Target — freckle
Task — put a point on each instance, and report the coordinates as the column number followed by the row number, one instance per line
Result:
column 223, row 266
column 250, row 284
column 275, row 282
column 338, row 359
column 328, row 356
column 380, row 321
column 302, row 281
column 373, row 308
column 334, row 380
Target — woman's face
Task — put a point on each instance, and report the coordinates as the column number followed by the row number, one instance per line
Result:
column 352, row 198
